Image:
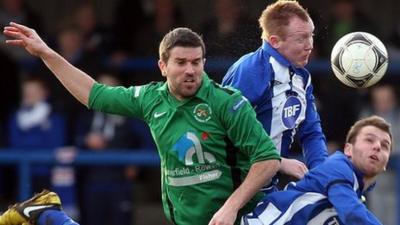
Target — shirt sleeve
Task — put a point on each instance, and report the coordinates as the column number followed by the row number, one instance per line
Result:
column 349, row 207
column 245, row 131
column 310, row 134
column 117, row 100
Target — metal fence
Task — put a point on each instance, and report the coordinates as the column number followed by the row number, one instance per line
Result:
column 24, row 161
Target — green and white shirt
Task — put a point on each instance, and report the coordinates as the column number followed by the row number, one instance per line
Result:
column 207, row 143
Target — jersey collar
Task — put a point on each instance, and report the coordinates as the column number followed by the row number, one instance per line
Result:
column 274, row 53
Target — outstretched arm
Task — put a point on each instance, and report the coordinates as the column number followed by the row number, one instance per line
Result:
column 76, row 81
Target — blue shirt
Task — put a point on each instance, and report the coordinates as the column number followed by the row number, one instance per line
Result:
column 328, row 194
column 281, row 95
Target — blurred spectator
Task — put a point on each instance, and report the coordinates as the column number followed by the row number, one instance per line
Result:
column 108, row 191
column 384, row 103
column 69, row 43
column 95, row 36
column 158, row 17
column 382, row 200
column 164, row 16
column 17, row 11
column 35, row 126
column 230, row 32
column 344, row 18
column 63, row 180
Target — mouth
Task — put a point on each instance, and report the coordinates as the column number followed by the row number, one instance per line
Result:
column 189, row 80
column 306, row 57
column 374, row 157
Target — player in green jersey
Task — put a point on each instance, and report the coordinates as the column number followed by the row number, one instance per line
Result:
column 215, row 155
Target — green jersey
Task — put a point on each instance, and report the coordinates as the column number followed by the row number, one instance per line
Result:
column 207, row 143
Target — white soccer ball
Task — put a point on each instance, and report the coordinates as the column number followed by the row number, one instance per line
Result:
column 359, row 59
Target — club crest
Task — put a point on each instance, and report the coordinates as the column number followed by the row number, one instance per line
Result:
column 202, row 112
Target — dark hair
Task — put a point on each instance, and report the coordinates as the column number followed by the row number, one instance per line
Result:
column 277, row 15
column 183, row 37
column 375, row 121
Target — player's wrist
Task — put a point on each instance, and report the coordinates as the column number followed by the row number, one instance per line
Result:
column 47, row 54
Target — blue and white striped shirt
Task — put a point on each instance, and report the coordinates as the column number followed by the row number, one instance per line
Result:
column 281, row 95
column 328, row 195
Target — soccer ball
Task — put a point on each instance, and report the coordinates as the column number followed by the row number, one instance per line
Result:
column 359, row 59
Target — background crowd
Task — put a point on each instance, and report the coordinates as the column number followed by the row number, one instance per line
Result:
column 116, row 42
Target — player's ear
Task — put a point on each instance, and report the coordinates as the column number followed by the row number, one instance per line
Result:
column 348, row 149
column 274, row 41
column 162, row 65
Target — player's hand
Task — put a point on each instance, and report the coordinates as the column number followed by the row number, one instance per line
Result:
column 293, row 167
column 224, row 216
column 27, row 38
